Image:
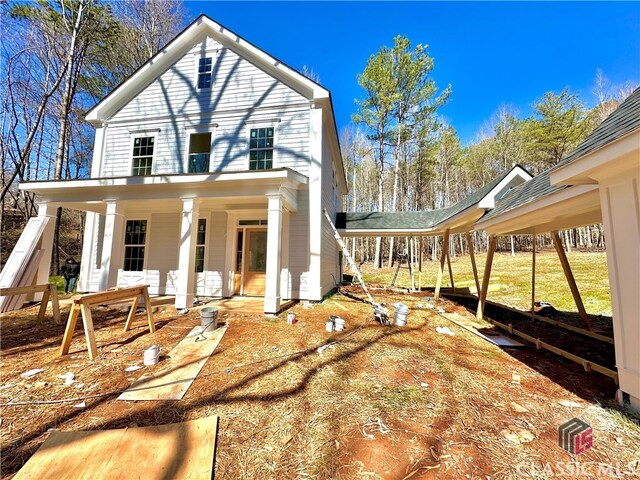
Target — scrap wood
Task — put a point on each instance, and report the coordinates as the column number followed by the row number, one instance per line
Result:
column 176, row 451
column 177, row 374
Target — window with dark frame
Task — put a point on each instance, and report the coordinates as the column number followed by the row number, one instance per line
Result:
column 142, row 155
column 199, row 152
column 204, row 72
column 134, row 241
column 261, row 148
column 200, row 244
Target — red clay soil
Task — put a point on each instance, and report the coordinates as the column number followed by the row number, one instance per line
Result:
column 376, row 402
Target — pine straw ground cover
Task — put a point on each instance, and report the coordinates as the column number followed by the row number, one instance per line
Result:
column 383, row 402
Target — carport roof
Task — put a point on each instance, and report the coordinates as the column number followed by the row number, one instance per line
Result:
column 414, row 221
column 622, row 121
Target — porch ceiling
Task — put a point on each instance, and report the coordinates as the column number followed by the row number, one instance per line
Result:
column 244, row 189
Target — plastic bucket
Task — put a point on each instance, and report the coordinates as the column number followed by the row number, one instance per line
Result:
column 208, row 319
column 339, row 322
column 400, row 315
column 291, row 318
column 329, row 326
column 151, row 355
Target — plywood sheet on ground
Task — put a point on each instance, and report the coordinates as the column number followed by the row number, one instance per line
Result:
column 173, row 451
column 171, row 379
column 476, row 328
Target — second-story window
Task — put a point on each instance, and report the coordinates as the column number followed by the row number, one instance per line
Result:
column 142, row 155
column 204, row 72
column 199, row 152
column 261, row 148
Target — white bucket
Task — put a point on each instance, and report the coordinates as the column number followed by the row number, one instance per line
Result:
column 208, row 319
column 152, row 354
column 339, row 322
column 400, row 314
column 291, row 318
column 329, row 326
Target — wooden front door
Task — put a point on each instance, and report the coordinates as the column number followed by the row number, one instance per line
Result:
column 254, row 262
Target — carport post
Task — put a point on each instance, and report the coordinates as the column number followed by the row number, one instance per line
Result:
column 453, row 286
column 571, row 280
column 443, row 252
column 473, row 261
column 485, row 277
column 533, row 275
column 420, row 264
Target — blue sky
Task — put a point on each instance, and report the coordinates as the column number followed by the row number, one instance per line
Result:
column 490, row 53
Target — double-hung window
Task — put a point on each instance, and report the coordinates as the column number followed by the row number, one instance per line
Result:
column 204, row 72
column 200, row 244
column 261, row 148
column 199, row 152
column 134, row 242
column 142, row 155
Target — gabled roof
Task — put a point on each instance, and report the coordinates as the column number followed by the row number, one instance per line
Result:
column 535, row 188
column 179, row 46
column 426, row 220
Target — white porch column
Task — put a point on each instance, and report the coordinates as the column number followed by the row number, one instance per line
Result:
column 84, row 281
column 274, row 240
column 285, row 281
column 46, row 244
column 112, row 244
column 314, row 280
column 187, row 253
column 619, row 200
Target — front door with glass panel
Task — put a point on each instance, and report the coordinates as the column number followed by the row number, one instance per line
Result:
column 251, row 263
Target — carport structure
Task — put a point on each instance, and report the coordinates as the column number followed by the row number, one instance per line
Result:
column 598, row 182
column 458, row 218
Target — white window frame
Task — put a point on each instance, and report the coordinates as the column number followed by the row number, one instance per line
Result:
column 209, row 128
column 207, row 222
column 133, row 134
column 213, row 54
column 146, row 242
column 270, row 123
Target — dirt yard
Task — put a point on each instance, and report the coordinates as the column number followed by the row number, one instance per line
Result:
column 377, row 402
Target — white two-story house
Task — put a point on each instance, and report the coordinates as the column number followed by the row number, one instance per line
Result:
column 211, row 168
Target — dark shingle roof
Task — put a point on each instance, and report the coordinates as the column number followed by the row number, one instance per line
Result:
column 623, row 120
column 412, row 220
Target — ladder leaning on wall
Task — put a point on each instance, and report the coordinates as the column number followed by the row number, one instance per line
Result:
column 379, row 311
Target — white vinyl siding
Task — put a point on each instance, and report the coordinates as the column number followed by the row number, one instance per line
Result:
column 162, row 258
column 330, row 248
column 299, row 247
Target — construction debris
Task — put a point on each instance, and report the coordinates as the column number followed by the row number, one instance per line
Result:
column 32, row 372
column 444, row 331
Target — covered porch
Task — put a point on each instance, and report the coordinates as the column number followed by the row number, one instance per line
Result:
column 214, row 235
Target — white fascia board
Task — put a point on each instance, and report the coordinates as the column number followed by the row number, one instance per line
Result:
column 489, row 200
column 168, row 187
column 529, row 215
column 468, row 216
column 203, row 25
column 608, row 160
column 384, row 232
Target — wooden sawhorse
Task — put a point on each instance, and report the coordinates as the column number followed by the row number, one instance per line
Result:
column 49, row 292
column 83, row 305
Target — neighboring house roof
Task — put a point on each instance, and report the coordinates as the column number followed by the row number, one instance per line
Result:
column 623, row 120
column 427, row 219
column 203, row 25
